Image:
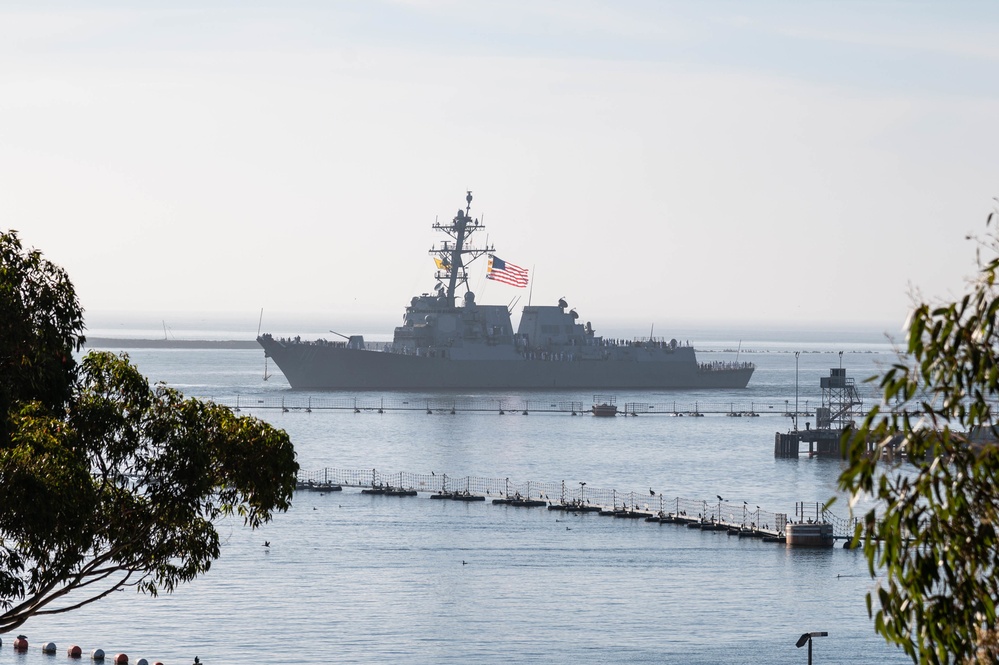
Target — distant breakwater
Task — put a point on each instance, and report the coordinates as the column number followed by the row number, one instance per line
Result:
column 129, row 343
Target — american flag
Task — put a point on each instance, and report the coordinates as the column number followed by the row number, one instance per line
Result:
column 501, row 271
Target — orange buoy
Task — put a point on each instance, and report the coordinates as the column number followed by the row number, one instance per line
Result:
column 74, row 652
column 20, row 643
column 120, row 659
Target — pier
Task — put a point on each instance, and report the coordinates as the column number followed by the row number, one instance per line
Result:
column 821, row 443
column 840, row 408
column 732, row 517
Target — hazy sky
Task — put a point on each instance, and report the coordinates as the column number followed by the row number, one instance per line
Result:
column 652, row 162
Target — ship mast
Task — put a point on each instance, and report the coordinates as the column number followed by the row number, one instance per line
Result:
column 450, row 256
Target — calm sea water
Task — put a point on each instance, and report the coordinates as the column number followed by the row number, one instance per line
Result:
column 352, row 578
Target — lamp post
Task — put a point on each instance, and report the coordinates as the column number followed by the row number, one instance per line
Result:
column 796, row 354
column 807, row 637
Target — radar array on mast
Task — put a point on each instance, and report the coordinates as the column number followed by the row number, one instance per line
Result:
column 450, row 255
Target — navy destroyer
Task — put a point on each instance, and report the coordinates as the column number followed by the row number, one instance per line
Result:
column 451, row 342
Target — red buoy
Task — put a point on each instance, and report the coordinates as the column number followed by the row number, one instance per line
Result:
column 120, row 659
column 21, row 643
column 74, row 652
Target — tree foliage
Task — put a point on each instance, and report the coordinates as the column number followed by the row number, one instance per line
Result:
column 105, row 481
column 41, row 326
column 935, row 543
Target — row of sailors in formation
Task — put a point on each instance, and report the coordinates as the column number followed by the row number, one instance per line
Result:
column 547, row 355
column 654, row 344
column 370, row 346
column 641, row 343
column 333, row 345
column 646, row 343
column 561, row 356
column 718, row 364
column 527, row 355
column 319, row 342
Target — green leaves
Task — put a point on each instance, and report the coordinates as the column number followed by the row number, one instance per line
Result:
column 41, row 328
column 182, row 464
column 127, row 486
column 936, row 543
column 106, row 481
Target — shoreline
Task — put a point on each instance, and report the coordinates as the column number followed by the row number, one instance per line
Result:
column 133, row 343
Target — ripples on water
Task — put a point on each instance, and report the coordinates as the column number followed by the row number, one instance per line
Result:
column 351, row 578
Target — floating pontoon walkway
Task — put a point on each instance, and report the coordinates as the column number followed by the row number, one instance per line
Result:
column 732, row 517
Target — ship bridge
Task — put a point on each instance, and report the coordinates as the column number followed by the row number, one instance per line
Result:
column 430, row 322
column 544, row 326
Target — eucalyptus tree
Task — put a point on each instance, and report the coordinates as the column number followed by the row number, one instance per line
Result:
column 108, row 482
column 933, row 544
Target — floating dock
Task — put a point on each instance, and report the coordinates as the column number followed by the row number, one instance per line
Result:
column 720, row 516
column 809, row 534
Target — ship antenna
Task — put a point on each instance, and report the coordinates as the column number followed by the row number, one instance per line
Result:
column 530, row 292
column 468, row 200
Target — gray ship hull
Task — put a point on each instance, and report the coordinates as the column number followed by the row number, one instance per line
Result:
column 310, row 366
